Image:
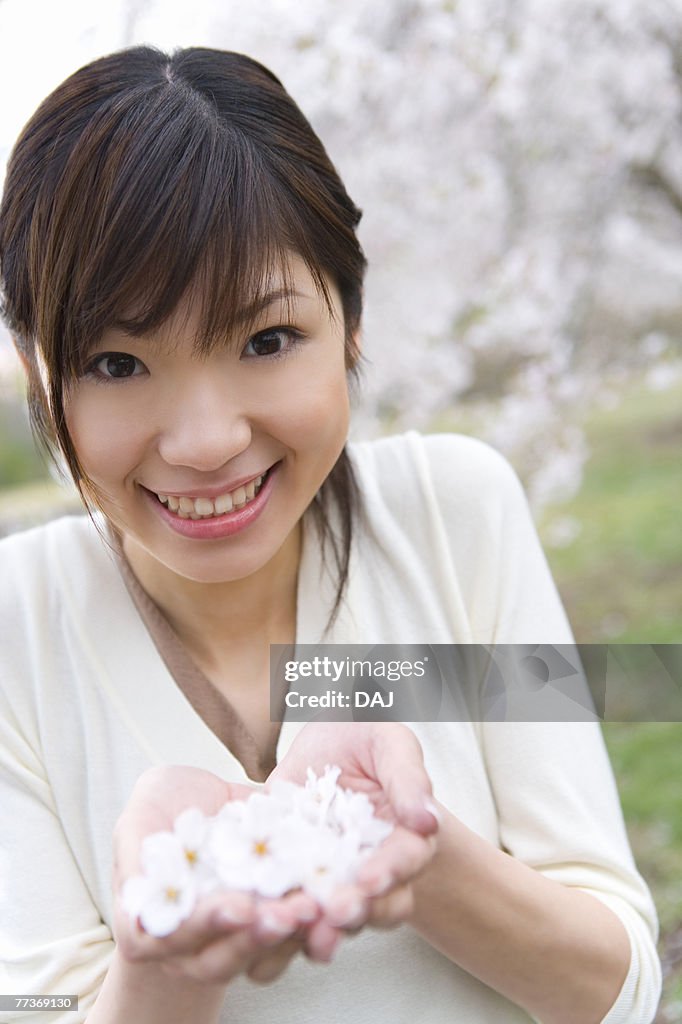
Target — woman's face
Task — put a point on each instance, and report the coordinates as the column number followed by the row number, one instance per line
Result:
column 208, row 463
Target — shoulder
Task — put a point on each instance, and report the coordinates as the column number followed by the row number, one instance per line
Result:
column 33, row 562
column 474, row 460
column 57, row 580
column 455, row 471
column 453, row 507
column 27, row 546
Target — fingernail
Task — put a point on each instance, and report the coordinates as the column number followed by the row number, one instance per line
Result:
column 351, row 914
column 308, row 916
column 379, row 885
column 328, row 956
column 233, row 917
column 275, row 926
column 434, row 810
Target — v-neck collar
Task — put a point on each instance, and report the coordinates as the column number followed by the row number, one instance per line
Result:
column 127, row 665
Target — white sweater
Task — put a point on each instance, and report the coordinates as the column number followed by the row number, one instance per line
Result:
column 448, row 554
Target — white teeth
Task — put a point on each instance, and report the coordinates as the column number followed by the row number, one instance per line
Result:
column 205, row 508
column 223, row 504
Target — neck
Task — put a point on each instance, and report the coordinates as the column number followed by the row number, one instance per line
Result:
column 213, row 620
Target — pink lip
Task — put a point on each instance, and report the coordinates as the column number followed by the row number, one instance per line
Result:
column 216, row 527
column 215, row 491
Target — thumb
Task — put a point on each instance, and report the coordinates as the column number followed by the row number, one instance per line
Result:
column 399, row 765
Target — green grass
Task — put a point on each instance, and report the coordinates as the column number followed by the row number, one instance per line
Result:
column 621, row 581
column 647, row 760
column 621, row 578
column 19, row 460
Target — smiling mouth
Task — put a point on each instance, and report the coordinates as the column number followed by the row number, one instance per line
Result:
column 210, row 508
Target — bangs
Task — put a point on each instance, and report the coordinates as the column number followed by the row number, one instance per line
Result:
column 181, row 206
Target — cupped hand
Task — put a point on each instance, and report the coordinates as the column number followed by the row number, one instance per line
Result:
column 228, row 933
column 384, row 761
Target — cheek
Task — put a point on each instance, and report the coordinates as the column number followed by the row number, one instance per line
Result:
column 108, row 444
column 317, row 412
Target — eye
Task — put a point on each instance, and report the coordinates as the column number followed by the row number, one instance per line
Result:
column 116, row 365
column 273, row 342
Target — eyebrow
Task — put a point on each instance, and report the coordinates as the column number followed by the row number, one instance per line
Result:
column 247, row 315
column 250, row 312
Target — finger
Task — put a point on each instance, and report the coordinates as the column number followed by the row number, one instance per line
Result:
column 271, row 929
column 399, row 763
column 240, row 952
column 214, row 916
column 220, row 961
column 322, row 941
column 347, row 907
column 392, row 910
column 269, row 967
column 400, row 858
column 297, row 907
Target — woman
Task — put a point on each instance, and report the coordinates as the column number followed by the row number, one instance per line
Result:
column 183, row 281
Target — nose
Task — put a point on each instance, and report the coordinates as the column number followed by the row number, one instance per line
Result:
column 206, row 424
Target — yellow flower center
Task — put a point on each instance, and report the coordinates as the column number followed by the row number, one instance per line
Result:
column 191, row 856
column 260, row 848
column 172, row 895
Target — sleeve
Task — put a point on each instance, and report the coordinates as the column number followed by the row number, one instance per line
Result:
column 559, row 812
column 552, row 782
column 52, row 938
column 498, row 560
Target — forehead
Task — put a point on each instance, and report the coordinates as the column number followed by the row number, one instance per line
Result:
column 287, row 293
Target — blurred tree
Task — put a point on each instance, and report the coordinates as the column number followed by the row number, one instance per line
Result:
column 519, row 166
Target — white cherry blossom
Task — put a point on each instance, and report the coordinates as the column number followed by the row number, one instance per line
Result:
column 191, row 829
column 327, row 859
column 251, row 849
column 165, row 895
column 352, row 814
column 312, row 837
